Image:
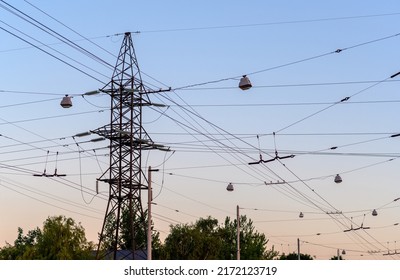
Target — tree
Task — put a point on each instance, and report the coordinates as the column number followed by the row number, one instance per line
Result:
column 60, row 239
column 295, row 256
column 207, row 240
column 252, row 243
column 127, row 234
column 23, row 245
column 199, row 241
column 63, row 239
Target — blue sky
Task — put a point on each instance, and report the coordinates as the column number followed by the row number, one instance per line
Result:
column 286, row 48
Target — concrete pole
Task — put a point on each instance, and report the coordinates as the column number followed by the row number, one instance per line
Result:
column 237, row 233
column 149, row 199
column 298, row 248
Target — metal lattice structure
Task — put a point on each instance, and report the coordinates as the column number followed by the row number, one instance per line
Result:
column 128, row 139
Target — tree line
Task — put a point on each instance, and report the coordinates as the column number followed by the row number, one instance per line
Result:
column 61, row 238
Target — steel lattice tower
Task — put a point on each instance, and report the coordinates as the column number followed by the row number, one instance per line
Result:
column 127, row 141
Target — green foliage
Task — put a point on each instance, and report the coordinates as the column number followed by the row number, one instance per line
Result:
column 23, row 245
column 252, row 243
column 137, row 229
column 199, row 241
column 295, row 256
column 207, row 240
column 336, row 258
column 60, row 239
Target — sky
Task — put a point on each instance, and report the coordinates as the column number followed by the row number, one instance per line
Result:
column 324, row 90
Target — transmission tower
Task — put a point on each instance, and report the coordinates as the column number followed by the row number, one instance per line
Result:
column 128, row 139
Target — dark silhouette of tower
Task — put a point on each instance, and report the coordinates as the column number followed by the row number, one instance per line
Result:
column 124, row 214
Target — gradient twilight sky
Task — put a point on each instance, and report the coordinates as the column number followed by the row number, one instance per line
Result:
column 322, row 91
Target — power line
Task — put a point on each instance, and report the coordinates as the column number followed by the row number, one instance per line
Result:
column 69, row 28
column 52, row 32
column 298, row 193
column 303, row 195
column 45, row 202
column 292, row 85
column 282, row 134
column 56, row 51
column 48, row 44
column 176, row 210
column 50, row 117
column 31, row 92
column 286, row 104
column 49, row 195
column 195, row 200
column 336, row 103
column 189, row 127
column 264, row 24
column 328, row 203
column 50, row 54
column 337, row 51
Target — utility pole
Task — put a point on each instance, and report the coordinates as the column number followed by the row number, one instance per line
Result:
column 125, row 176
column 149, row 201
column 237, row 233
column 298, row 248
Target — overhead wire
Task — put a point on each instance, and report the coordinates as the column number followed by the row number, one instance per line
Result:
column 49, row 44
column 291, row 85
column 42, row 148
column 69, row 28
column 286, row 104
column 54, row 50
column 47, row 203
column 323, row 199
column 63, row 181
column 361, row 44
column 188, row 127
column 190, row 177
column 362, row 211
column 166, row 219
column 80, row 175
column 41, row 162
column 45, row 194
column 79, row 151
column 300, row 194
column 17, row 12
column 251, row 135
column 31, row 92
column 370, row 252
column 27, row 103
column 218, row 129
column 317, row 20
column 332, row 105
column 337, row 51
column 195, row 200
column 176, row 210
column 239, row 139
column 210, row 180
column 33, row 147
column 50, row 54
